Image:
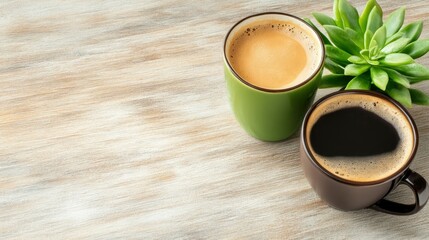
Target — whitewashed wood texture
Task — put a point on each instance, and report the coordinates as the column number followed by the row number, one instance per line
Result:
column 115, row 124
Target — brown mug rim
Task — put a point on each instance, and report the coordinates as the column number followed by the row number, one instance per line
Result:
column 312, row 76
column 391, row 177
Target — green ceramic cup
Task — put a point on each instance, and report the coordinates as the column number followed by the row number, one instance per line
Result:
column 271, row 114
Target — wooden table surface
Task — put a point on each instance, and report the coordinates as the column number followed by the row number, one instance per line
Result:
column 115, row 124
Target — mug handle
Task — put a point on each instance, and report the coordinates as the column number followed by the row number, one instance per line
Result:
column 421, row 194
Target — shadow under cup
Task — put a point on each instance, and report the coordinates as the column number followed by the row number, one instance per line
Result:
column 273, row 114
column 356, row 181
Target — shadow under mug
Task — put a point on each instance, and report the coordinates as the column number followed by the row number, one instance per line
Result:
column 347, row 195
column 267, row 114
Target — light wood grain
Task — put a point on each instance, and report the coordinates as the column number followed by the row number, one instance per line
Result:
column 115, row 124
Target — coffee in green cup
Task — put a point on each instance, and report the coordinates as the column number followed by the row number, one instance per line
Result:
column 273, row 63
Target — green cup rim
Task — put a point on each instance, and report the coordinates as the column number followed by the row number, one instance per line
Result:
column 312, row 76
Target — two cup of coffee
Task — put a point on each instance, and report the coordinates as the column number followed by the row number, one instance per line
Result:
column 356, row 146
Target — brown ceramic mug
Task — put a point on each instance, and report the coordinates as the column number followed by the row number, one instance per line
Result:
column 356, row 147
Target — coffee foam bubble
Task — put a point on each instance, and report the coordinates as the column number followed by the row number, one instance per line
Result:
column 371, row 168
column 292, row 29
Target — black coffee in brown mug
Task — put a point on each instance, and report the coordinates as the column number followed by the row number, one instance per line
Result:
column 360, row 138
column 356, row 146
column 358, row 133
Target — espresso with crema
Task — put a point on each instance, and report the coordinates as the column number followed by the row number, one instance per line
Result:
column 360, row 138
column 274, row 54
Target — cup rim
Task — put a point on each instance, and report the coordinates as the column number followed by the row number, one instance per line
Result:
column 312, row 76
column 391, row 177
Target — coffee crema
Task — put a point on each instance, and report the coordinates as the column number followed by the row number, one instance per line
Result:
column 274, row 54
column 360, row 138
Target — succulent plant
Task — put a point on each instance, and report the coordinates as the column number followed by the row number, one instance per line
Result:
column 365, row 52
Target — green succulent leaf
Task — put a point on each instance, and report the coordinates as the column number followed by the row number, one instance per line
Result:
column 412, row 30
column 337, row 55
column 363, row 19
column 339, row 38
column 414, row 80
column 413, row 70
column 394, row 37
column 360, row 82
column 397, row 77
column 356, row 60
column 349, row 15
column 364, row 53
column 333, row 67
column 323, row 19
column 334, row 80
column 395, row 46
column 394, row 21
column 379, row 77
column 377, row 57
column 324, row 38
column 356, row 37
column 399, row 93
column 367, row 38
column 379, row 37
column 396, row 59
column 417, row 49
column 373, row 62
column 337, row 15
column 419, row 97
column 373, row 52
column 375, row 19
column 355, row 69
column 373, row 48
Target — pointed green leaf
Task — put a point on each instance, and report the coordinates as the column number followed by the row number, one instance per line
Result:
column 355, row 69
column 396, row 59
column 363, row 19
column 339, row 38
column 334, row 80
column 413, row 30
column 379, row 78
column 417, row 49
column 337, row 15
column 333, row 67
column 373, row 62
column 414, row 80
column 349, row 15
column 356, row 60
column 397, row 77
column 375, row 20
column 399, row 93
column 359, row 82
column 324, row 38
column 364, row 53
column 356, row 37
column 323, row 19
column 367, row 38
column 394, row 37
column 419, row 97
column 373, row 48
column 413, row 70
column 373, row 51
column 337, row 55
column 394, row 21
column 380, row 37
column 396, row 46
